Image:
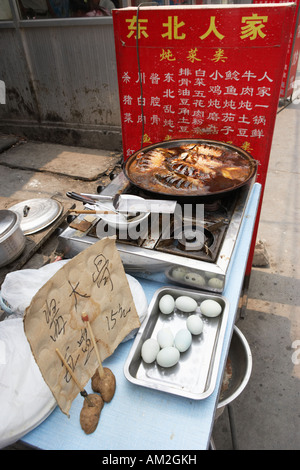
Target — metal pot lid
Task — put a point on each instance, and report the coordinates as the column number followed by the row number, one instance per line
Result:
column 37, row 214
column 7, row 220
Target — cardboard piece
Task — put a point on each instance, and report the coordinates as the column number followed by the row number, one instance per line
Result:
column 93, row 282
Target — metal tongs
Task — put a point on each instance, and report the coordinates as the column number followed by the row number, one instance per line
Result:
column 92, row 199
column 89, row 198
column 126, row 204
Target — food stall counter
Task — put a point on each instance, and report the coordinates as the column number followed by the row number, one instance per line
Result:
column 139, row 418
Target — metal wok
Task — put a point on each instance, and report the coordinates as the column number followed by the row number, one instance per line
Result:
column 200, row 193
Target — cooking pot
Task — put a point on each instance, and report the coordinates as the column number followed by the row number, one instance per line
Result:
column 199, row 193
column 12, row 238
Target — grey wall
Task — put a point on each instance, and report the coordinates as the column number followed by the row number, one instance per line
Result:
column 61, row 81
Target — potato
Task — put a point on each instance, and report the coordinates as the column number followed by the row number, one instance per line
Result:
column 106, row 385
column 90, row 415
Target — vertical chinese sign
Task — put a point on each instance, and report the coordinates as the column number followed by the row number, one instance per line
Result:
column 292, row 56
column 207, row 72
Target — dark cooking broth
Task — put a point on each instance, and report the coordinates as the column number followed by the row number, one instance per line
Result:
column 192, row 169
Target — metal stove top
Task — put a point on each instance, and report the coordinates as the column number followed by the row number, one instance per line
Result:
column 187, row 259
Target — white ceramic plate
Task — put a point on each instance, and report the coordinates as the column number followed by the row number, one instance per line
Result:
column 121, row 221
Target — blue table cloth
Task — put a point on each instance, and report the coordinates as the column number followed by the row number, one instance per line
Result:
column 143, row 419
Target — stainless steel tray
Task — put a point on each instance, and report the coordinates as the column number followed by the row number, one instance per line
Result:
column 194, row 376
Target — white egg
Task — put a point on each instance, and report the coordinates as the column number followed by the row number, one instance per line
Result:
column 215, row 283
column 210, row 308
column 168, row 357
column 186, row 304
column 165, row 337
column 178, row 273
column 195, row 278
column 149, row 351
column 166, row 304
column 208, row 274
column 183, row 340
column 194, row 324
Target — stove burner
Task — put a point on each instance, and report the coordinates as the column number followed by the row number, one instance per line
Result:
column 192, row 242
column 194, row 239
column 189, row 239
column 187, row 259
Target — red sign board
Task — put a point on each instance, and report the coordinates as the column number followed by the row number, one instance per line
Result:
column 207, row 72
column 291, row 62
column 292, row 56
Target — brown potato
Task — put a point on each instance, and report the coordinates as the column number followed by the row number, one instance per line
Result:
column 106, row 385
column 90, row 415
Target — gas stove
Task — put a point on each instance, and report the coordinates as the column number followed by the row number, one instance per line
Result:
column 195, row 258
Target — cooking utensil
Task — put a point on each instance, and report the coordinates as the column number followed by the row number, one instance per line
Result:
column 183, row 194
column 37, row 214
column 128, row 204
column 85, row 198
column 120, row 220
column 146, row 205
column 12, row 239
column 94, row 201
column 90, row 211
column 113, row 217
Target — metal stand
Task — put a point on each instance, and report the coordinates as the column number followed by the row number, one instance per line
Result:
column 244, row 296
column 212, row 445
column 232, row 427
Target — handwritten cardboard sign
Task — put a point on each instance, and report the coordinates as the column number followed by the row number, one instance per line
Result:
column 93, row 282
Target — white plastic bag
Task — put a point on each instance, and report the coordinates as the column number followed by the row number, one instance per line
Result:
column 19, row 287
column 26, row 399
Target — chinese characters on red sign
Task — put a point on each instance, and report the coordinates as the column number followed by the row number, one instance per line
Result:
column 206, row 72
